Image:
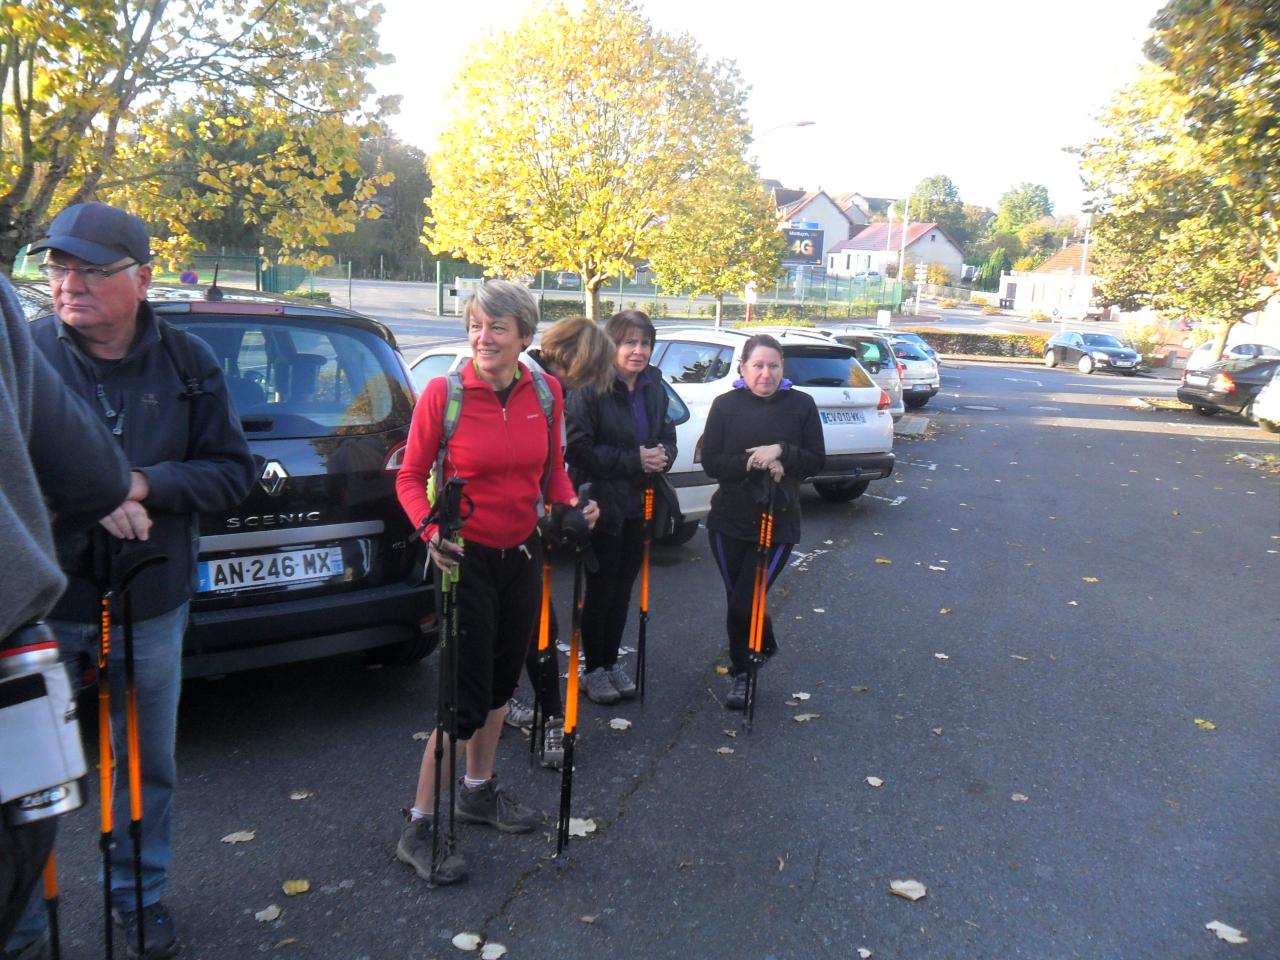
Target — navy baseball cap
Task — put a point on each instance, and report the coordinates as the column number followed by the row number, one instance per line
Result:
column 97, row 233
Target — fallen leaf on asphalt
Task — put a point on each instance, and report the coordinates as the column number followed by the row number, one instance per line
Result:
column 828, row 542
column 301, row 795
column 819, row 609
column 805, row 717
column 267, row 914
column 859, row 689
column 292, row 888
column 907, row 889
column 781, row 863
column 883, row 560
column 1019, row 798
column 284, row 943
column 864, row 953
column 422, row 735
column 800, row 696
column 941, row 656
column 1017, row 656
column 722, row 670
column 1206, row 724
column 1229, row 934
column 620, row 723
column 590, row 918
column 939, row 569
column 493, row 951
column 240, row 836
column 466, row 941
column 730, row 733
column 580, row 827
column 1089, row 579
column 944, row 611
column 1072, row 603
column 725, row 750
column 937, row 731
column 875, row 781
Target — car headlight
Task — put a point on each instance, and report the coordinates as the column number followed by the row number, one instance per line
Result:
column 1099, row 355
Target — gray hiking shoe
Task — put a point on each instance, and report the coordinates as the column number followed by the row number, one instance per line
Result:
column 414, row 849
column 600, row 688
column 621, row 682
column 736, row 698
column 519, row 714
column 553, row 744
column 497, row 806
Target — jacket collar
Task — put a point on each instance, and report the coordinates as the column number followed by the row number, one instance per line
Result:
column 146, row 334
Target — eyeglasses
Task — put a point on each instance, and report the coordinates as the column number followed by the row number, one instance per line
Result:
column 92, row 276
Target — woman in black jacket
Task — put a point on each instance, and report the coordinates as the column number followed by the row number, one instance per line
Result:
column 760, row 435
column 617, row 439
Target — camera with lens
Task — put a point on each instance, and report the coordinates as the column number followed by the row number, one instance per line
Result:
column 41, row 757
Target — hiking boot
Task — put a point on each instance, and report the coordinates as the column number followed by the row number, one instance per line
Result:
column 497, row 806
column 553, row 744
column 736, row 699
column 519, row 715
column 414, row 849
column 161, row 934
column 600, row 688
column 621, row 682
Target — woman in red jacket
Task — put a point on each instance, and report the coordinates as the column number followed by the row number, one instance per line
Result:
column 505, row 448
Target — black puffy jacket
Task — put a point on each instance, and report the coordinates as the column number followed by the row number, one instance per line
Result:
column 602, row 446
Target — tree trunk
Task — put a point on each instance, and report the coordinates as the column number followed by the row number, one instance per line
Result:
column 592, row 298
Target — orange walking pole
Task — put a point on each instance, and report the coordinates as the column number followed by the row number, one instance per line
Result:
column 51, row 905
column 571, row 690
column 644, row 588
column 135, row 771
column 537, row 740
column 106, row 763
column 759, row 593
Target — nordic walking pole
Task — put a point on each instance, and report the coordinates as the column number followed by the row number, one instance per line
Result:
column 450, row 522
column 135, row 770
column 571, row 688
column 51, row 905
column 536, row 744
column 644, row 588
column 759, row 594
column 105, row 763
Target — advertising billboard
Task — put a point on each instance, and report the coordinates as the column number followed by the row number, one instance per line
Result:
column 803, row 246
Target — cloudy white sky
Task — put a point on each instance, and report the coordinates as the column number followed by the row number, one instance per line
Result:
column 995, row 88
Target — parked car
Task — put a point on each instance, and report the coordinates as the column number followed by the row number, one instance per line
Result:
column 702, row 363
column 34, row 296
column 867, row 276
column 920, row 377
column 920, row 342
column 1202, row 356
column 568, row 280
column 319, row 559
column 443, row 358
column 1266, row 405
column 876, row 354
column 1089, row 351
column 1228, row 386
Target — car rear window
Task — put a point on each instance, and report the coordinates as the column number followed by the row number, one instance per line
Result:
column 684, row 361
column 821, row 366
column 305, row 378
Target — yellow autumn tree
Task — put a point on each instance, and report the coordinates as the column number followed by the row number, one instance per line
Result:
column 572, row 136
column 720, row 237
column 116, row 99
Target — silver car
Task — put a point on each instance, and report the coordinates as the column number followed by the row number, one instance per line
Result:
column 876, row 354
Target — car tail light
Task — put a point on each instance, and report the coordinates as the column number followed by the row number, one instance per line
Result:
column 902, row 368
column 1222, row 383
column 395, row 459
column 884, row 401
column 697, row 451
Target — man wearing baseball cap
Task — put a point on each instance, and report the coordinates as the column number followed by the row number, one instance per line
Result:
column 187, row 454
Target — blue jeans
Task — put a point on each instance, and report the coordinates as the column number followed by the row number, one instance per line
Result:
column 157, row 659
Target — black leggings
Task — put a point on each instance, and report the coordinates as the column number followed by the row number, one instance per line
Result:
column 608, row 597
column 737, row 562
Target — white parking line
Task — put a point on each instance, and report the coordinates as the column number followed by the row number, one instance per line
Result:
column 912, row 463
column 891, row 501
column 1021, row 380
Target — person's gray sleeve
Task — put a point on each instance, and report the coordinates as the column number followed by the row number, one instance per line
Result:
column 83, row 472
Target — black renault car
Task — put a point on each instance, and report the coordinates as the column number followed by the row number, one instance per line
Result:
column 319, row 559
column 1228, row 386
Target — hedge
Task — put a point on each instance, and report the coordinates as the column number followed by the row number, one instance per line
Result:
column 1029, row 345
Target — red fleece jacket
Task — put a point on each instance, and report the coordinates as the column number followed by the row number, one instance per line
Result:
column 500, row 453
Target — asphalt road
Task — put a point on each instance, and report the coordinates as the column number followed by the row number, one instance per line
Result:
column 1016, row 633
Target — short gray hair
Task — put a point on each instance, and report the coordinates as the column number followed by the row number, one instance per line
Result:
column 502, row 298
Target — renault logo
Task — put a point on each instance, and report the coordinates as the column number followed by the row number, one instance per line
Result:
column 273, row 477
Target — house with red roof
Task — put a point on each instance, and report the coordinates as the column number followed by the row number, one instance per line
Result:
column 815, row 210
column 876, row 247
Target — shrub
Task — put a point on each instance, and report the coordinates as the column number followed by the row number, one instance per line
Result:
column 988, row 310
column 1143, row 335
column 320, row 296
column 1028, row 345
column 1037, row 316
column 948, row 304
column 758, row 322
column 938, row 275
column 979, row 301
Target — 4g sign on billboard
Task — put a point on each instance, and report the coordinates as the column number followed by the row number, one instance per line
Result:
column 803, row 246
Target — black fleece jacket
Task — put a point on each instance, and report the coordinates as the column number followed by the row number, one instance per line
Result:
column 739, row 420
column 192, row 452
column 602, row 445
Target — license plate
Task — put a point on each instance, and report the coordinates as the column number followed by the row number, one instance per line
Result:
column 843, row 416
column 920, row 386
column 1197, row 379
column 266, row 569
column 1123, row 363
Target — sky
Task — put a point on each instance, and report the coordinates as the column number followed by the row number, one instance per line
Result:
column 987, row 92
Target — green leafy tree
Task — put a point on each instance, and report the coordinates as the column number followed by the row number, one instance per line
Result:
column 1022, row 204
column 1184, row 171
column 721, row 238
column 120, row 100
column 392, row 241
column 988, row 275
column 936, row 200
column 573, row 136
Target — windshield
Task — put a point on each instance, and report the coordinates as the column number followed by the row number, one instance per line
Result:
column 820, row 366
column 1101, row 340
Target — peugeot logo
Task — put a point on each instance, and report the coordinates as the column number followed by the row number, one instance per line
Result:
column 273, row 477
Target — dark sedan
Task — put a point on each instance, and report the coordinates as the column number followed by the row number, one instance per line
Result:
column 1091, row 351
column 1228, row 386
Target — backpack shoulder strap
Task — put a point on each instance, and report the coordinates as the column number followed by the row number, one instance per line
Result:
column 545, row 399
column 182, row 354
column 452, row 407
